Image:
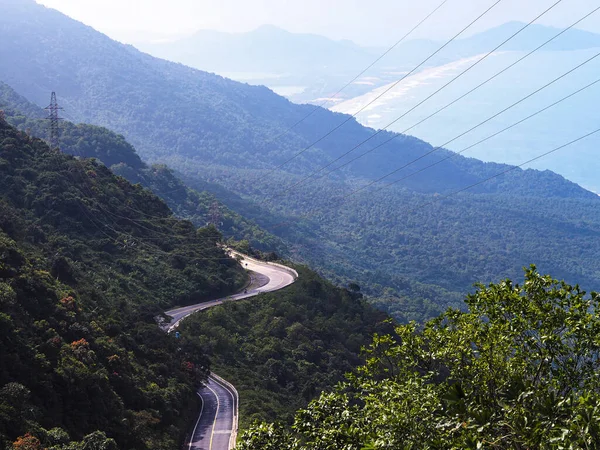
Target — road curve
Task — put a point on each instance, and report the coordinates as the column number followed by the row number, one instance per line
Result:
column 217, row 422
column 216, row 427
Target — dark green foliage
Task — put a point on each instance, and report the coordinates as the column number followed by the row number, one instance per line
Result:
column 280, row 350
column 417, row 255
column 83, row 275
column 518, row 370
column 417, row 258
column 196, row 206
column 115, row 152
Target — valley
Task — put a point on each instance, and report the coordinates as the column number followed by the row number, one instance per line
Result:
column 220, row 135
column 229, row 239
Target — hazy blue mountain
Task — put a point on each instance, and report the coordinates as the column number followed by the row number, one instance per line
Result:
column 564, row 122
column 290, row 63
column 171, row 112
column 483, row 42
column 267, row 49
column 307, row 68
column 406, row 243
column 574, row 39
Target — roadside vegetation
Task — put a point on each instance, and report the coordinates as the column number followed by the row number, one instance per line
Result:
column 282, row 349
column 517, row 370
column 82, row 277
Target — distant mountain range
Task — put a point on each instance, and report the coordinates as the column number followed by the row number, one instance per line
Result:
column 407, row 244
column 268, row 49
column 316, row 66
column 308, row 68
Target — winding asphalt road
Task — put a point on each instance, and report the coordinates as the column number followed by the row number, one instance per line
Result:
column 216, row 428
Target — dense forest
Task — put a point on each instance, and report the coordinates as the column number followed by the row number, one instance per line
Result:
column 419, row 253
column 517, row 370
column 89, row 141
column 89, row 262
column 407, row 244
column 83, row 277
column 282, row 349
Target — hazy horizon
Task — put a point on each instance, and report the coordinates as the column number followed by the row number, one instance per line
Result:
column 374, row 24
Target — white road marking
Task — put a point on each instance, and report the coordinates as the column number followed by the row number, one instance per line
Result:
column 198, row 421
column 216, row 416
column 233, row 406
column 277, row 280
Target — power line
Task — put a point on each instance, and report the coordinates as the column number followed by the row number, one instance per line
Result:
column 317, row 107
column 462, row 96
column 136, row 222
column 510, row 169
column 454, row 154
column 484, row 121
column 440, row 109
column 185, row 238
column 385, row 91
column 153, row 250
column 60, row 161
column 189, row 238
column 120, row 233
column 155, row 221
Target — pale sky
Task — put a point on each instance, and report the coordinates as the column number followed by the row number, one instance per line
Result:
column 374, row 22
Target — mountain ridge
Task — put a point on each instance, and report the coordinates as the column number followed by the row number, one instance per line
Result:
column 121, row 158
column 265, row 49
column 214, row 130
column 208, row 107
column 81, row 283
column 84, row 278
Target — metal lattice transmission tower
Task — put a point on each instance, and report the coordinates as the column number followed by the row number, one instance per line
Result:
column 54, row 130
column 215, row 214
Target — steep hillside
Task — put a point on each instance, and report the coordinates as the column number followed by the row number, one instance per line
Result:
column 400, row 243
column 115, row 152
column 517, row 370
column 281, row 350
column 82, row 278
column 183, row 116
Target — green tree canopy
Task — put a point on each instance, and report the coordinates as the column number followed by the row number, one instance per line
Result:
column 518, row 370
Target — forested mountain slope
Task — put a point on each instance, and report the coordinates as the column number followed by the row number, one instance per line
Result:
column 400, row 243
column 82, row 277
column 89, row 141
column 173, row 113
column 518, row 370
column 283, row 349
